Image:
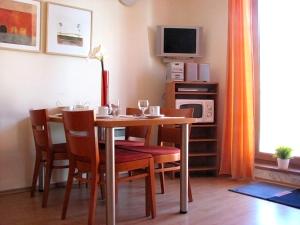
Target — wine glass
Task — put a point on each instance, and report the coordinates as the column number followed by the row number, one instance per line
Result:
column 115, row 107
column 143, row 105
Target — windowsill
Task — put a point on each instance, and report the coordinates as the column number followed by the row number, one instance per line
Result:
column 275, row 168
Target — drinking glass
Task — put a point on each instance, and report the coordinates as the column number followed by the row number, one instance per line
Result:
column 115, row 108
column 143, row 105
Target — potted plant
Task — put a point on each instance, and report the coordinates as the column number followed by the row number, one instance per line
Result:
column 283, row 155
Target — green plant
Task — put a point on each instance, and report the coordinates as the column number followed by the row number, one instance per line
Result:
column 283, row 152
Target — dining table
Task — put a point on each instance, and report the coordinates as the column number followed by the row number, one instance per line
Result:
column 110, row 124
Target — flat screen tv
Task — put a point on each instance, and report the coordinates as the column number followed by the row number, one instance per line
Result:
column 178, row 41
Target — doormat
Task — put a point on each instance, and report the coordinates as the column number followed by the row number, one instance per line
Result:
column 271, row 192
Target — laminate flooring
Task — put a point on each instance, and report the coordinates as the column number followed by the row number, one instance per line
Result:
column 213, row 205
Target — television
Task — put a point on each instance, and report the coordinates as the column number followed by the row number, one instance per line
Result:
column 178, row 41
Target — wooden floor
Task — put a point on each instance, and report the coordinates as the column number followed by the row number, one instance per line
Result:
column 213, row 205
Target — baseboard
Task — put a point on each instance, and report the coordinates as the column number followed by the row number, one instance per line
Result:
column 27, row 189
column 15, row 191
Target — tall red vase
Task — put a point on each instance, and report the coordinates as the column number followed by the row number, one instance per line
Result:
column 105, row 88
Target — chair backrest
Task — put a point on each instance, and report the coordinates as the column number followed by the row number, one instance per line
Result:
column 81, row 136
column 172, row 134
column 40, row 129
column 137, row 131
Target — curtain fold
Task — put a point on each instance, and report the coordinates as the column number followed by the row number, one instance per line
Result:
column 238, row 139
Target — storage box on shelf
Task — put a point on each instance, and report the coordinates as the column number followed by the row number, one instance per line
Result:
column 203, row 147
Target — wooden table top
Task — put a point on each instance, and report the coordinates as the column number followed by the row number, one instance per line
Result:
column 132, row 121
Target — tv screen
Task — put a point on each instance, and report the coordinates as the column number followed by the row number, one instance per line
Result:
column 180, row 40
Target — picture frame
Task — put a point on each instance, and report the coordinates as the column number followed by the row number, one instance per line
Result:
column 20, row 25
column 69, row 30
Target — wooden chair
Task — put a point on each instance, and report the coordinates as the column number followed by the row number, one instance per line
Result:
column 46, row 152
column 85, row 157
column 135, row 136
column 172, row 135
column 166, row 155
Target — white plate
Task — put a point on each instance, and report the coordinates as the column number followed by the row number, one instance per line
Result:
column 103, row 116
column 154, row 116
column 126, row 116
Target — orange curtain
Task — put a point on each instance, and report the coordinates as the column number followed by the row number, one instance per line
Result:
column 237, row 156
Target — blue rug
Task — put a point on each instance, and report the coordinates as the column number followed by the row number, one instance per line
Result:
column 271, row 192
column 291, row 199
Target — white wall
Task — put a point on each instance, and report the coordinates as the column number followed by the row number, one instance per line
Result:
column 32, row 80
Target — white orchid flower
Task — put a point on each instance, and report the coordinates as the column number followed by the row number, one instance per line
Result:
column 96, row 53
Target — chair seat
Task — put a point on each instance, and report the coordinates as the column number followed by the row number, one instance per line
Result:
column 128, row 143
column 153, row 150
column 123, row 156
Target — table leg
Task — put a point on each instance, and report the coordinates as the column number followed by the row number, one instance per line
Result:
column 184, row 169
column 110, row 176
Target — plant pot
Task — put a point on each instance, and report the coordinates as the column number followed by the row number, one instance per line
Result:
column 283, row 164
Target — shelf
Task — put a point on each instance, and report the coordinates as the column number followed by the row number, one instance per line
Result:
column 202, row 168
column 195, row 154
column 203, row 142
column 275, row 168
column 203, row 139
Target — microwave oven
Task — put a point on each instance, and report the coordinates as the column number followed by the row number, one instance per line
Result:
column 203, row 108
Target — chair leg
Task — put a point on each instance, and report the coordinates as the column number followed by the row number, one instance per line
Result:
column 68, row 190
column 79, row 182
column 102, row 185
column 49, row 164
column 173, row 175
column 93, row 198
column 190, row 190
column 147, row 195
column 162, row 179
column 116, row 187
column 87, row 178
column 152, row 188
column 38, row 159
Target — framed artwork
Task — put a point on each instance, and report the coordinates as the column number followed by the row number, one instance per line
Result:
column 20, row 24
column 68, row 30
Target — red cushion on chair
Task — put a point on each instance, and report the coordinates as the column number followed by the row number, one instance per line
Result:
column 129, row 143
column 122, row 156
column 127, row 156
column 153, row 150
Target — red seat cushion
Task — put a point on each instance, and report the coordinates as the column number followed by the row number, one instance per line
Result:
column 129, row 143
column 153, row 150
column 123, row 156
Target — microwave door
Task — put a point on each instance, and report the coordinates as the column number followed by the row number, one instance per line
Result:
column 198, row 109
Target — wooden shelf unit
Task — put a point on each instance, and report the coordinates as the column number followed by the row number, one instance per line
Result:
column 203, row 143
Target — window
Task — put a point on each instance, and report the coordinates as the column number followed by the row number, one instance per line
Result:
column 279, row 50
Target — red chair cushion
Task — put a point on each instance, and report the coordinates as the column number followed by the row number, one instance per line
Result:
column 123, row 156
column 153, row 150
column 129, row 143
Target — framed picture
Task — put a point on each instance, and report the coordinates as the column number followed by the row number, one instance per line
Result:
column 20, row 24
column 68, row 30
